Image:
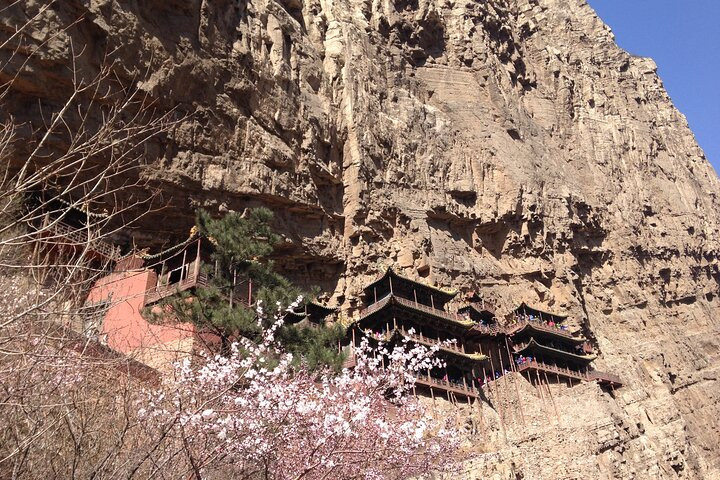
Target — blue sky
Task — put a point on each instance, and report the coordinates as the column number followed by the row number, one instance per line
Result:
column 683, row 37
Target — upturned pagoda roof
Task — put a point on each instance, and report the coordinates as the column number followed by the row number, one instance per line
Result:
column 311, row 310
column 534, row 346
column 439, row 317
column 543, row 329
column 401, row 281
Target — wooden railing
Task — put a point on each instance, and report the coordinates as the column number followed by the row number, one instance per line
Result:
column 518, row 347
column 191, row 281
column 80, row 237
column 427, row 380
column 515, row 327
column 593, row 375
column 453, row 317
column 375, row 306
column 420, row 338
column 450, row 386
column 565, row 372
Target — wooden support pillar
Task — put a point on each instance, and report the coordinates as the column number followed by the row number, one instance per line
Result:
column 391, row 286
column 182, row 268
column 513, row 368
column 162, row 273
column 415, row 295
column 552, row 400
column 535, row 383
column 497, row 392
column 197, row 260
column 250, row 292
column 485, row 380
column 432, row 301
column 375, row 294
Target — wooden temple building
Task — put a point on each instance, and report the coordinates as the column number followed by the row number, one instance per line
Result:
column 136, row 285
column 312, row 313
column 543, row 346
column 534, row 343
column 400, row 307
column 68, row 232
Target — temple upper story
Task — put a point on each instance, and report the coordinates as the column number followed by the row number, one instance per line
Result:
column 393, row 283
column 526, row 312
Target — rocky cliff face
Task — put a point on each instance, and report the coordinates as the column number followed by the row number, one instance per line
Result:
column 507, row 147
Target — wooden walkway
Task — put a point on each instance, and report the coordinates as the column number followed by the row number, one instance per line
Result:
column 602, row 378
column 191, row 281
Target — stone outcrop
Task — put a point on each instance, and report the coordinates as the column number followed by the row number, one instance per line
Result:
column 504, row 147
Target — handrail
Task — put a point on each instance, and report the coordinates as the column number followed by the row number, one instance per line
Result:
column 518, row 347
column 448, row 346
column 426, row 379
column 192, row 280
column 375, row 306
column 552, row 369
column 81, row 236
column 445, row 384
column 453, row 317
column 601, row 377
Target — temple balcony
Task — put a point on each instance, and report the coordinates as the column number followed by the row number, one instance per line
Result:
column 62, row 234
column 457, row 387
column 603, row 378
column 533, row 346
column 488, row 330
column 452, row 348
column 454, row 387
column 192, row 280
column 390, row 282
column 454, row 318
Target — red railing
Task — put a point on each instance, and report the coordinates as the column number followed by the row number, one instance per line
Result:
column 80, row 237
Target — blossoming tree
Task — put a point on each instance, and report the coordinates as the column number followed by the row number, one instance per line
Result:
column 252, row 415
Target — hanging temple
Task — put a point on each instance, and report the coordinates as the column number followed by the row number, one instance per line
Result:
column 477, row 347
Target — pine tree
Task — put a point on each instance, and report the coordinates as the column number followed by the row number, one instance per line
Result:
column 240, row 256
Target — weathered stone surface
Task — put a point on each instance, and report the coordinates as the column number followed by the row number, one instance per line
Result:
column 511, row 147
